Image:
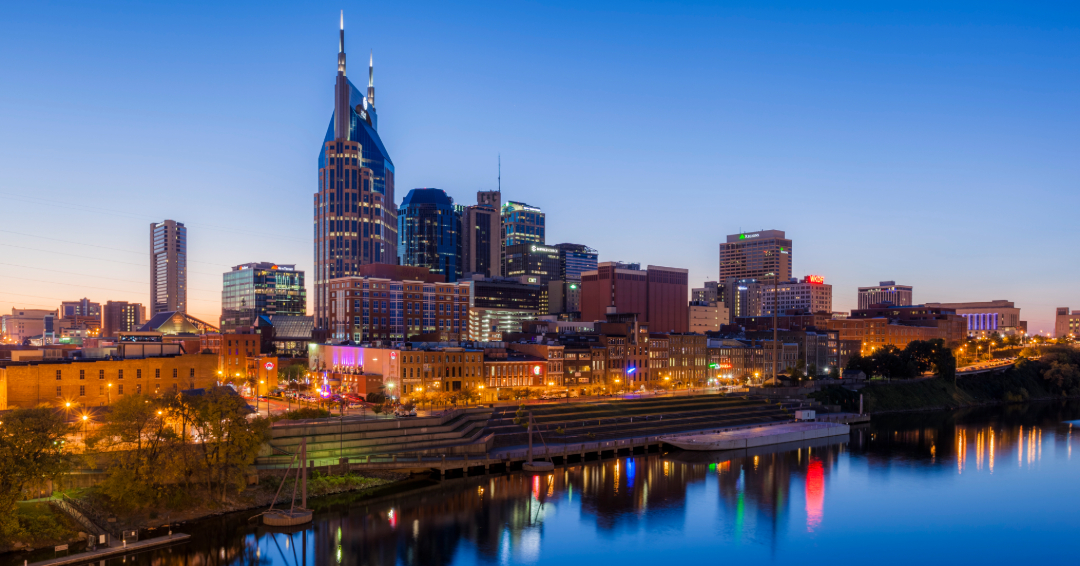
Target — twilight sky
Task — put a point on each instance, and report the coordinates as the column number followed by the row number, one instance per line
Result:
column 931, row 144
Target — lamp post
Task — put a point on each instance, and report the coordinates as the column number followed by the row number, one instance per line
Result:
column 85, row 418
column 108, row 394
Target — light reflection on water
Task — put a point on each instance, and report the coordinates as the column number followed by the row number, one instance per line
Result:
column 989, row 486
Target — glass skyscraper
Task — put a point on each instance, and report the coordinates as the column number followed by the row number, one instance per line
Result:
column 575, row 259
column 429, row 232
column 355, row 213
column 264, row 288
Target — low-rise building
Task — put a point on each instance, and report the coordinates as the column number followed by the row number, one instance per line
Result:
column 1066, row 323
column 987, row 317
column 707, row 316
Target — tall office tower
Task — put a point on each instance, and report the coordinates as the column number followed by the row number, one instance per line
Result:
column 764, row 255
column 121, row 316
column 481, row 230
column 658, row 294
column 742, row 297
column 521, row 224
column 355, row 215
column 810, row 295
column 532, row 263
column 575, row 259
column 429, row 232
column 886, row 292
column 168, row 267
column 254, row 289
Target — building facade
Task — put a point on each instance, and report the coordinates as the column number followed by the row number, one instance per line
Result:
column 810, row 294
column 429, row 232
column 1066, row 322
column 121, row 316
column 706, row 316
column 885, row 292
column 252, row 290
column 481, row 230
column 499, row 306
column 355, row 220
column 24, row 324
column 657, row 294
column 389, row 304
column 575, row 259
column 988, row 317
column 763, row 255
column 168, row 267
column 521, row 224
column 535, row 264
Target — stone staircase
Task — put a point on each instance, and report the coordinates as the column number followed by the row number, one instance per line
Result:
column 585, row 422
column 460, row 431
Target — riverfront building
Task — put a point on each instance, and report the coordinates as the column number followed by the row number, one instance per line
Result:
column 355, row 213
column 988, row 317
column 885, row 292
column 763, row 255
column 390, row 303
column 429, row 229
column 168, row 267
column 252, row 290
column 658, row 295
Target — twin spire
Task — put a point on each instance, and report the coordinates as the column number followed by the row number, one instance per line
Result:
column 371, row 62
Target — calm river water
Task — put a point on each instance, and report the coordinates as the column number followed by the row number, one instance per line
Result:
column 991, row 486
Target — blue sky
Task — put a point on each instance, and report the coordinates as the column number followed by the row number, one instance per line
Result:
column 929, row 143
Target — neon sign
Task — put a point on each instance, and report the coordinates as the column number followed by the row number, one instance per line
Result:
column 269, row 365
column 536, row 370
column 815, row 279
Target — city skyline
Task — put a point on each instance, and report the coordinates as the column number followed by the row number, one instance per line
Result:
column 263, row 189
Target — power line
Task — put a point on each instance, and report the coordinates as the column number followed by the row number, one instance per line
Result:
column 100, row 276
column 98, row 258
column 90, row 287
column 142, row 253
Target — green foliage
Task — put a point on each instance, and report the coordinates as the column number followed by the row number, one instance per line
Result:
column 291, row 374
column 301, row 414
column 43, row 524
column 917, row 358
column 31, row 450
column 141, row 446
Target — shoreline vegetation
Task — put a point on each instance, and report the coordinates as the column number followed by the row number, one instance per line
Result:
column 1054, row 375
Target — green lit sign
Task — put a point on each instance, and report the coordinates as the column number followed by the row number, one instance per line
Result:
column 747, row 236
column 573, row 286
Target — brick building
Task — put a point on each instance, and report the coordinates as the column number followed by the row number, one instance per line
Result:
column 657, row 294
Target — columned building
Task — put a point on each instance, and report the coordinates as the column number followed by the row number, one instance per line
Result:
column 355, row 214
column 885, row 292
column 168, row 267
column 987, row 317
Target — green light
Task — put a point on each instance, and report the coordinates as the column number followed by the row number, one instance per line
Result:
column 742, row 236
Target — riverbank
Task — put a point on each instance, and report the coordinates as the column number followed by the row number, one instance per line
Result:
column 1025, row 382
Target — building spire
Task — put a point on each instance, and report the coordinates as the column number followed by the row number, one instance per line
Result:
column 371, row 79
column 500, row 172
column 341, row 46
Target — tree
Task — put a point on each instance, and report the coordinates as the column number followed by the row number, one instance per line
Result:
column 32, row 450
column 861, row 363
column 469, row 394
column 229, row 440
column 140, row 446
column 291, row 374
column 888, row 363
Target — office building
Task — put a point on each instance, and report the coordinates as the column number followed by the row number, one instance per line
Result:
column 763, row 255
column 706, row 316
column 121, row 316
column 481, row 242
column 262, row 288
column 168, row 267
column 896, row 325
column 564, row 298
column 429, row 232
column 575, row 259
column 355, row 213
column 387, row 304
column 809, row 295
column 743, row 297
column 521, row 224
column 499, row 306
column 1066, row 323
column 658, row 295
column 535, row 264
column 885, row 292
column 81, row 308
column 987, row 317
column 24, row 324
column 708, row 293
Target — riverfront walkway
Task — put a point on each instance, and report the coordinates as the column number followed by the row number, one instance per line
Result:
column 111, row 551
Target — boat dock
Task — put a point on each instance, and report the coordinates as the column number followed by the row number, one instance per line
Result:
column 112, row 551
column 751, row 436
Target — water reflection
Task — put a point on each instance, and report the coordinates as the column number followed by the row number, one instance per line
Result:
column 759, row 502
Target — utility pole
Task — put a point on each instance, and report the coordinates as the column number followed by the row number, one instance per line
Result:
column 775, row 303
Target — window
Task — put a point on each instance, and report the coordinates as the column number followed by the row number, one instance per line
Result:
column 174, row 388
column 174, row 370
column 138, row 374
column 120, row 389
column 157, row 373
column 82, row 374
column 191, row 373
column 58, row 394
column 101, row 374
column 120, row 374
column 82, row 391
column 138, row 388
column 57, row 375
column 101, row 390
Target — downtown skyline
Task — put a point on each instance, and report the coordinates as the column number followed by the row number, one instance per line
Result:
column 864, row 194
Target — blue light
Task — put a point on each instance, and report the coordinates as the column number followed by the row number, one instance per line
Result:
column 631, row 370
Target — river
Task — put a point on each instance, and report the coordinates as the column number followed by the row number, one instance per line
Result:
column 988, row 486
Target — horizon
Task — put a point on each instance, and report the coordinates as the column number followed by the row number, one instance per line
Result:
column 883, row 142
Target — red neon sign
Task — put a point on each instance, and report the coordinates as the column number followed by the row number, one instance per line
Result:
column 815, row 279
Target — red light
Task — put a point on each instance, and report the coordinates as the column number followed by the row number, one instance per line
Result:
column 815, row 279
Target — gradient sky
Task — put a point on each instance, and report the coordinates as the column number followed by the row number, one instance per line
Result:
column 929, row 143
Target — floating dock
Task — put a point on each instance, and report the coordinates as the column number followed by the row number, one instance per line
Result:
column 749, row 437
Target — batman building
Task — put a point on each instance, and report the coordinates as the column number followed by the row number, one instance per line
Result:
column 355, row 215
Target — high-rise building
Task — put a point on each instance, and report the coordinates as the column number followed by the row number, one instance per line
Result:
column 355, row 213
column 82, row 307
column 886, row 292
column 429, row 232
column 810, row 295
column 263, row 288
column 658, row 294
column 521, row 224
column 121, row 316
column 763, row 255
column 481, row 230
column 386, row 304
column 709, row 293
column 535, row 264
column 499, row 306
column 742, row 297
column 168, row 267
column 575, row 259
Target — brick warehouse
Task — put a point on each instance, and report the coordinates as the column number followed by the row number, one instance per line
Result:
column 92, row 383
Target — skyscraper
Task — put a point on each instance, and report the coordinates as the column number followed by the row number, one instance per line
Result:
column 481, row 243
column 168, row 267
column 521, row 224
column 355, row 213
column 262, row 288
column 575, row 259
column 429, row 232
column 764, row 255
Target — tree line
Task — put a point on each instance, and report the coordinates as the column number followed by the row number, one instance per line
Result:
column 914, row 360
